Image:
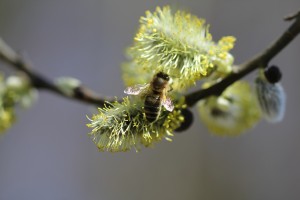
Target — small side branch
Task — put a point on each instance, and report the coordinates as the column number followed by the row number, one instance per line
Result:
column 261, row 60
column 81, row 93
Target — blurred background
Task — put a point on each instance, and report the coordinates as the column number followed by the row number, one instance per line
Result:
column 48, row 155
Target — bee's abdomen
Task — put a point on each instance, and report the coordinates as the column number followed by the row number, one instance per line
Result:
column 152, row 107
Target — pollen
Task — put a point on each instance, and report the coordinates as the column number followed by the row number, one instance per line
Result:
column 122, row 126
column 150, row 22
column 177, row 43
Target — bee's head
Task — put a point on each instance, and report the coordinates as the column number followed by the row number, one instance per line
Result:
column 163, row 76
column 160, row 80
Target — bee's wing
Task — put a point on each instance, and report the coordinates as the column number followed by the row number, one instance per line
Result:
column 167, row 103
column 136, row 89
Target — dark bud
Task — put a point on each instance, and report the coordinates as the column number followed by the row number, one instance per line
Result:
column 78, row 92
column 188, row 120
column 273, row 74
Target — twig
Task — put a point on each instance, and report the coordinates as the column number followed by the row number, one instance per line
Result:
column 261, row 60
column 38, row 81
column 292, row 16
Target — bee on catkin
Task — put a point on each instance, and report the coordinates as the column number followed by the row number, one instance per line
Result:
column 155, row 95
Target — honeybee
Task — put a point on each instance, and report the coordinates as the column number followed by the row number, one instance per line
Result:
column 154, row 94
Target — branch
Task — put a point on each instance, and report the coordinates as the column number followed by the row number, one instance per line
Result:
column 39, row 81
column 261, row 60
column 86, row 95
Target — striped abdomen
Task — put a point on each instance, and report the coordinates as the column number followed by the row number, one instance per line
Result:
column 152, row 107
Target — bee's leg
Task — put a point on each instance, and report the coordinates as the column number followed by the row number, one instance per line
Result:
column 170, row 88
